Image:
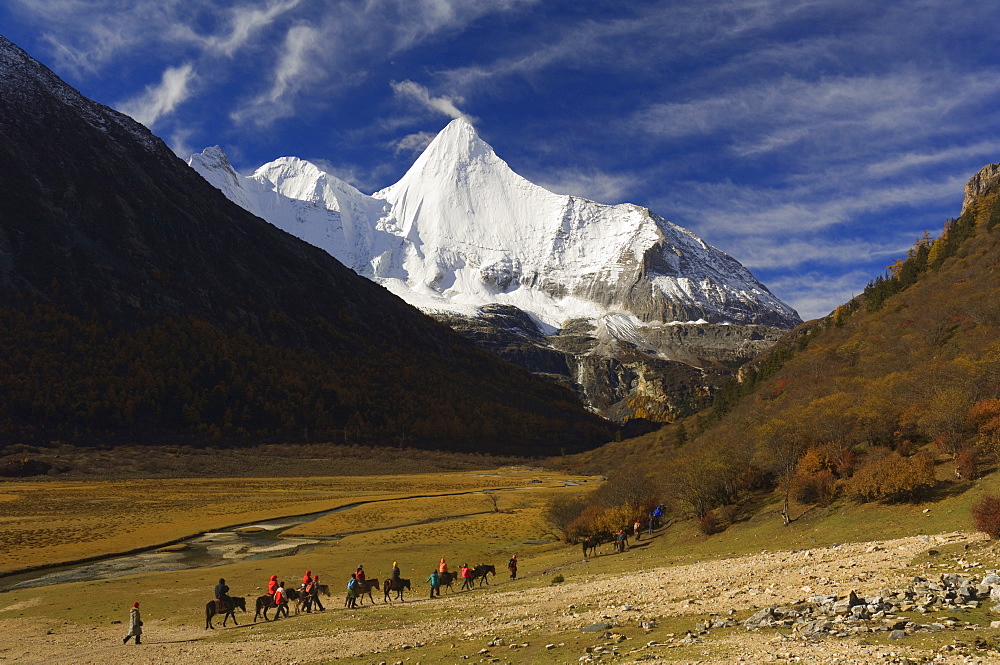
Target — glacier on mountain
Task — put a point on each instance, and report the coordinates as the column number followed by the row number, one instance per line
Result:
column 461, row 230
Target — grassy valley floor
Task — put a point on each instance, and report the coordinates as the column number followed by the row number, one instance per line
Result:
column 642, row 604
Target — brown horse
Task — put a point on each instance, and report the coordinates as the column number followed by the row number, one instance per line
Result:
column 266, row 602
column 366, row 588
column 300, row 597
column 397, row 586
column 589, row 545
column 211, row 609
column 481, row 571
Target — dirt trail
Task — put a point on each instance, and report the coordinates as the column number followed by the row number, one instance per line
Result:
column 738, row 583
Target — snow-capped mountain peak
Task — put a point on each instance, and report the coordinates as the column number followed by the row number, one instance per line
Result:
column 461, row 229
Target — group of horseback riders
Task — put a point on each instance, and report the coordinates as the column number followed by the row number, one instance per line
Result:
column 442, row 577
column 308, row 592
column 307, row 595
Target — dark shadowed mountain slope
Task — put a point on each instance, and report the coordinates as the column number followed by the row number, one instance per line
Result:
column 138, row 302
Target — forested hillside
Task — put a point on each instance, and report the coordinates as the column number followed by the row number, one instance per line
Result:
column 868, row 404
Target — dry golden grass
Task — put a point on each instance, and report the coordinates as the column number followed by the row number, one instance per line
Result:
column 53, row 522
column 467, row 528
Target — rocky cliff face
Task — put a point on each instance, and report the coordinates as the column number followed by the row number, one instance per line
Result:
column 987, row 178
column 669, row 371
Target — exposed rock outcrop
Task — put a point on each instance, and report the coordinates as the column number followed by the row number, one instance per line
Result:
column 622, row 371
column 987, row 178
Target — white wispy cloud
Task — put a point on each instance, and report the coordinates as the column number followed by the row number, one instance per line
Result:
column 907, row 161
column 245, row 22
column 241, row 24
column 443, row 105
column 295, row 60
column 160, row 100
column 815, row 294
column 413, row 143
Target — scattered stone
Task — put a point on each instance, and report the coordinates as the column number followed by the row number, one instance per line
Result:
column 595, row 628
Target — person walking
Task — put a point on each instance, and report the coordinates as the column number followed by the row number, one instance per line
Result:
column 314, row 594
column 435, row 582
column 466, row 577
column 637, row 529
column 512, row 566
column 134, row 625
column 280, row 601
column 352, row 591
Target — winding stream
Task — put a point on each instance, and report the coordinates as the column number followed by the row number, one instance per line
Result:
column 255, row 540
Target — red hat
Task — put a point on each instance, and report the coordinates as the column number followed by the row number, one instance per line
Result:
column 309, row 572
column 135, row 604
column 274, row 577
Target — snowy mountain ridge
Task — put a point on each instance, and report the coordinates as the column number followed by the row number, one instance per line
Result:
column 461, row 230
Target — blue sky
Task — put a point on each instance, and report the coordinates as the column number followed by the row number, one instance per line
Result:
column 812, row 140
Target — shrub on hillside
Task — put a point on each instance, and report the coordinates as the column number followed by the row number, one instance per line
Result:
column 709, row 524
column 819, row 487
column 967, row 463
column 892, row 477
column 986, row 515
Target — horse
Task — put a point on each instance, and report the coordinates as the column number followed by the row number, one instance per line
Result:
column 301, row 598
column 589, row 545
column 211, row 609
column 481, row 571
column 366, row 588
column 446, row 580
column 396, row 585
column 266, row 602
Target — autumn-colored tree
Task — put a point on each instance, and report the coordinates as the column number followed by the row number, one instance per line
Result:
column 984, row 417
column 891, row 477
column 814, row 480
column 780, row 443
column 986, row 515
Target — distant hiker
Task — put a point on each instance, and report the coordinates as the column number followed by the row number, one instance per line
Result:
column 466, row 576
column 435, row 582
column 637, row 529
column 651, row 520
column 222, row 600
column 442, row 567
column 512, row 566
column 272, row 585
column 134, row 625
column 352, row 591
